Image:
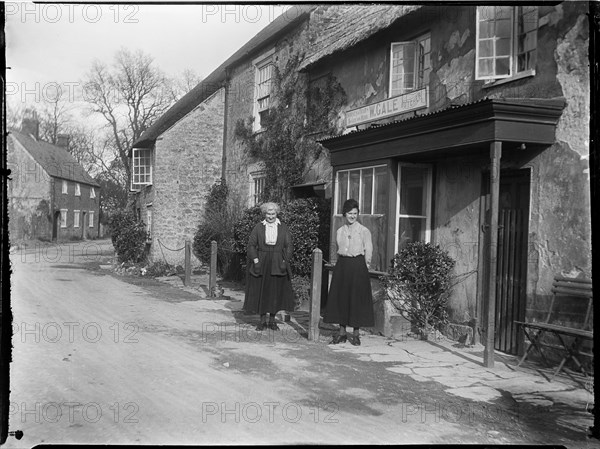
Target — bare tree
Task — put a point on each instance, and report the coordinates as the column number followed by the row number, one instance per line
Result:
column 184, row 83
column 55, row 116
column 14, row 114
column 130, row 94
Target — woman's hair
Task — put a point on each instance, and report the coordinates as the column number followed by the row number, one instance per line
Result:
column 349, row 205
column 264, row 207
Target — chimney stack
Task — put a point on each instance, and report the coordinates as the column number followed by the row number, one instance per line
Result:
column 30, row 123
column 62, row 140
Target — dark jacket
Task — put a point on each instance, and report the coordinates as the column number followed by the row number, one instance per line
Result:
column 281, row 252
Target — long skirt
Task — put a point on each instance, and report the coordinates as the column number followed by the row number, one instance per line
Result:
column 268, row 293
column 350, row 300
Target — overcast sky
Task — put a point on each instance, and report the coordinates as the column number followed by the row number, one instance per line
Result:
column 49, row 43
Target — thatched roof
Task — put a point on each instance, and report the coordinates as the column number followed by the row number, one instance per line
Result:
column 335, row 28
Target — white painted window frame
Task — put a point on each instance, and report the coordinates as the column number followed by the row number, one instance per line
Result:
column 259, row 64
column 360, row 188
column 417, row 45
column 91, row 219
column 515, row 12
column 76, row 216
column 141, row 179
column 65, row 187
column 428, row 206
column 63, row 217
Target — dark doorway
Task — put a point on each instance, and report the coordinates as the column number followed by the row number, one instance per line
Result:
column 83, row 224
column 55, row 225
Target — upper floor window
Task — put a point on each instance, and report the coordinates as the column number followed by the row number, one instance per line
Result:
column 410, row 65
column 77, row 189
column 367, row 185
column 264, row 69
column 141, row 174
column 506, row 41
column 92, row 192
column 65, row 187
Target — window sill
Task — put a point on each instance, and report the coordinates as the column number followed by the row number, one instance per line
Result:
column 518, row 76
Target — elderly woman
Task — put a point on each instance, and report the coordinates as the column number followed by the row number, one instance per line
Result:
column 269, row 285
column 350, row 300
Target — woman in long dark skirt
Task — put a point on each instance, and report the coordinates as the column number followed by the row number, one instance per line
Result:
column 269, row 280
column 350, row 300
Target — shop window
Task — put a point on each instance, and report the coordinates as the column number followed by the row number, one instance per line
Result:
column 367, row 185
column 506, row 41
column 410, row 65
column 141, row 168
column 414, row 204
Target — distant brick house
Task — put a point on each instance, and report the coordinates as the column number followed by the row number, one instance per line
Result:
column 457, row 118
column 51, row 196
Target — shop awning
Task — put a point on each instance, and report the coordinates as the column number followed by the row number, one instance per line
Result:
column 459, row 128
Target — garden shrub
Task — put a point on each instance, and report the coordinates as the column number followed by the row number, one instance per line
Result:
column 302, row 219
column 419, row 284
column 128, row 236
column 216, row 224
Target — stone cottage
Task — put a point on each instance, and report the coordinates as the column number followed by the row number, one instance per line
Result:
column 174, row 163
column 51, row 196
column 465, row 126
column 177, row 159
column 464, row 122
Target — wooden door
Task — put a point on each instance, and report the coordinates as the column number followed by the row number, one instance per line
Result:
column 511, row 274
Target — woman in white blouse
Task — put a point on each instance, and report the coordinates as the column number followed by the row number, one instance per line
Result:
column 269, row 284
column 350, row 300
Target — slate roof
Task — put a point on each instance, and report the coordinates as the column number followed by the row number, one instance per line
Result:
column 57, row 161
column 338, row 27
column 213, row 82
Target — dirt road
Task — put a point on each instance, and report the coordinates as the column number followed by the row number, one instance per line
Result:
column 100, row 360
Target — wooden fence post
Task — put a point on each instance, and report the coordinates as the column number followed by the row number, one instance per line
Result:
column 212, row 281
column 315, row 295
column 188, row 265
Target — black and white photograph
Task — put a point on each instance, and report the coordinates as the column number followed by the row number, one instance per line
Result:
column 333, row 223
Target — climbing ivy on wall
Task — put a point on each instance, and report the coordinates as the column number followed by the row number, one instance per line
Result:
column 298, row 113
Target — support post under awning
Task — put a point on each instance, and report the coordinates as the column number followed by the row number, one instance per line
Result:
column 495, row 156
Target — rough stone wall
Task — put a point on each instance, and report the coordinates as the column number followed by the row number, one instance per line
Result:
column 187, row 162
column 559, row 226
column 456, row 217
column 28, row 195
column 240, row 99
